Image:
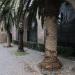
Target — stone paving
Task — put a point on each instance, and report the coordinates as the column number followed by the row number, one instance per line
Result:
column 10, row 64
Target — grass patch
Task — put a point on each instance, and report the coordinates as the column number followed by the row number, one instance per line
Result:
column 21, row 53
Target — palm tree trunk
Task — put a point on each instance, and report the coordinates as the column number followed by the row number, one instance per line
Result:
column 51, row 60
column 9, row 39
column 20, row 39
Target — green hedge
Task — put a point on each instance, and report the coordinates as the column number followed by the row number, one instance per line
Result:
column 32, row 45
column 35, row 46
column 63, row 51
column 66, row 51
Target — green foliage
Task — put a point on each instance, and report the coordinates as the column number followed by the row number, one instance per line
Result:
column 21, row 53
column 35, row 46
column 44, row 7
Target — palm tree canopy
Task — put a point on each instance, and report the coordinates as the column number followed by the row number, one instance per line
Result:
column 44, row 7
column 6, row 13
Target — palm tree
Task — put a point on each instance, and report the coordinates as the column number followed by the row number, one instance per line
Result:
column 48, row 11
column 20, row 35
column 51, row 11
column 20, row 25
column 6, row 15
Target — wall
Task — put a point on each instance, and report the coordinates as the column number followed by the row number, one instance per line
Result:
column 40, row 32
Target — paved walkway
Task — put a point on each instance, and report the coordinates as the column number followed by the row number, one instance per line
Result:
column 10, row 64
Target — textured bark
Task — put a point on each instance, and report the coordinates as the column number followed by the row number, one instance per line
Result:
column 51, row 61
column 20, row 40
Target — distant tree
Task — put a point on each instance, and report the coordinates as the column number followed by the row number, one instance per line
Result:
column 6, row 15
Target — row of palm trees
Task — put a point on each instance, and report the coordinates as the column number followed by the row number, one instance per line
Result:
column 48, row 11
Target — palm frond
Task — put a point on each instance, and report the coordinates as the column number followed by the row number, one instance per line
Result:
column 45, row 8
column 6, row 13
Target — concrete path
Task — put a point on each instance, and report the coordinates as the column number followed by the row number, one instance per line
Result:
column 10, row 64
